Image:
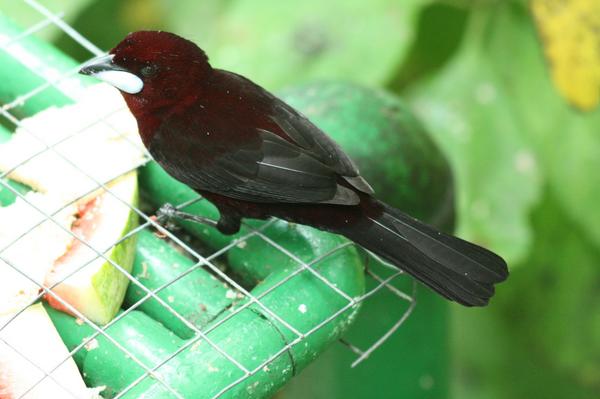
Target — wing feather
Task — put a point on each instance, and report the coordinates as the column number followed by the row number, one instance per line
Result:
column 282, row 158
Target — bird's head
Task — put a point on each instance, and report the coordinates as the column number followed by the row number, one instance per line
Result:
column 150, row 65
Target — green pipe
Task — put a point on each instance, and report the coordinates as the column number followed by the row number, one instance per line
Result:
column 26, row 55
column 210, row 295
column 138, row 333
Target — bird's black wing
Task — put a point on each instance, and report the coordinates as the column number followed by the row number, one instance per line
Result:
column 307, row 167
column 266, row 169
column 302, row 132
column 312, row 139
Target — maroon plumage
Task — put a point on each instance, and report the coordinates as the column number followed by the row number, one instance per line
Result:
column 254, row 156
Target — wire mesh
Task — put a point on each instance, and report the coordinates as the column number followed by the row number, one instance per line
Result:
column 203, row 258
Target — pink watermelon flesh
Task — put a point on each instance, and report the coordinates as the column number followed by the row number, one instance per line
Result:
column 30, row 348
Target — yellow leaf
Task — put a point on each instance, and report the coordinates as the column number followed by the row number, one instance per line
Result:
column 570, row 32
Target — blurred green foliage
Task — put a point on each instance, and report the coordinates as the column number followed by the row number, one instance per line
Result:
column 526, row 162
column 468, row 110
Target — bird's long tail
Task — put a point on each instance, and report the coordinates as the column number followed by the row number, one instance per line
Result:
column 457, row 269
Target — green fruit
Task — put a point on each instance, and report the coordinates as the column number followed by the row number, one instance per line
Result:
column 389, row 145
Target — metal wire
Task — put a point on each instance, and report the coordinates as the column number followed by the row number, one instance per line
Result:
column 201, row 261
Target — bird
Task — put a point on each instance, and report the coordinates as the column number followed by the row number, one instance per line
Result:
column 254, row 156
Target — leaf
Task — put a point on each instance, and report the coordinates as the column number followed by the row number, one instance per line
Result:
column 570, row 31
column 562, row 301
column 430, row 51
column 566, row 142
column 542, row 332
column 283, row 43
column 469, row 113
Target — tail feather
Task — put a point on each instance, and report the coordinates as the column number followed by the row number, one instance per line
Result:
column 457, row 269
column 466, row 257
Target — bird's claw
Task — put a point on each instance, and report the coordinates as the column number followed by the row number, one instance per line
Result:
column 167, row 211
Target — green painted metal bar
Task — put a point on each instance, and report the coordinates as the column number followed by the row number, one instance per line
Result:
column 153, row 254
column 37, row 63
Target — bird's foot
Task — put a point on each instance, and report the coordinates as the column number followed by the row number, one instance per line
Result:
column 169, row 212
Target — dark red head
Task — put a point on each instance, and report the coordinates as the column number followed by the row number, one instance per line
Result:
column 151, row 68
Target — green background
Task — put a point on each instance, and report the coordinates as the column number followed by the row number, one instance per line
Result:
column 526, row 163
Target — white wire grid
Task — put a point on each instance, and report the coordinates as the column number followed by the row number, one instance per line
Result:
column 202, row 260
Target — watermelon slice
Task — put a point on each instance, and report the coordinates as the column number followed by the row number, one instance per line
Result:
column 83, row 136
column 30, row 348
column 26, row 261
column 37, row 252
column 96, row 288
column 97, row 135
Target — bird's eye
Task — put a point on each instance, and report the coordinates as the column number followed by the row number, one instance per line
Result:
column 149, row 70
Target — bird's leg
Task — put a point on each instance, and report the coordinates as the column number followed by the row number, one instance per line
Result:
column 228, row 223
column 168, row 212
